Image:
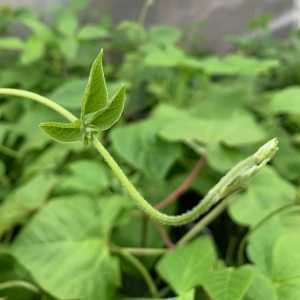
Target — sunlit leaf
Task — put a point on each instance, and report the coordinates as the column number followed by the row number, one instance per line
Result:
column 67, row 236
column 228, row 283
column 185, row 267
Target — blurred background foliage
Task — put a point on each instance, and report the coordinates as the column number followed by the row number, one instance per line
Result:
column 184, row 105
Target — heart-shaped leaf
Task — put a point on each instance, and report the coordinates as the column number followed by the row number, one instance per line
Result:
column 95, row 96
column 185, row 267
column 104, row 119
column 65, row 247
column 228, row 283
column 62, row 132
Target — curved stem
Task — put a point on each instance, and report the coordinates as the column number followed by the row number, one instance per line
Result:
column 142, row 203
column 221, row 190
column 243, row 242
column 215, row 212
column 141, row 268
column 19, row 284
column 40, row 99
column 229, row 184
column 184, row 186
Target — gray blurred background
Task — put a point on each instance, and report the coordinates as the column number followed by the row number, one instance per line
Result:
column 213, row 19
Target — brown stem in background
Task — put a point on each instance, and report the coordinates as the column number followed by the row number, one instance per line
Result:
column 164, row 235
column 145, row 230
column 184, row 186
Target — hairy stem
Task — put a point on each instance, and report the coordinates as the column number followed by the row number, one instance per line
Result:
column 230, row 183
column 141, row 268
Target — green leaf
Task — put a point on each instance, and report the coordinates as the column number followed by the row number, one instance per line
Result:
column 167, row 57
column 234, row 64
column 68, row 94
column 50, row 158
column 105, row 119
column 238, row 129
column 86, row 176
column 62, row 132
column 24, row 200
column 187, row 266
column 228, row 283
column 261, row 287
column 139, row 145
column 67, row 23
column 164, row 35
column 33, row 50
column 222, row 158
column 95, row 97
column 286, row 266
column 286, row 101
column 67, row 240
column 259, row 199
column 29, row 124
column 11, row 43
column 69, row 46
column 262, row 242
column 274, row 248
column 220, row 100
column 40, row 30
column 92, row 32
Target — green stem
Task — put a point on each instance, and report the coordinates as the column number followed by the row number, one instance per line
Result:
column 203, row 222
column 243, row 242
column 141, row 251
column 19, row 284
column 230, row 183
column 141, row 268
column 142, row 203
column 40, row 99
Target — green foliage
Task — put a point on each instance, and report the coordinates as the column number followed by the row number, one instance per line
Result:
column 230, row 283
column 190, row 264
column 64, row 220
column 97, row 113
column 52, row 239
column 62, row 132
column 95, row 96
